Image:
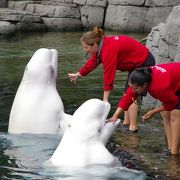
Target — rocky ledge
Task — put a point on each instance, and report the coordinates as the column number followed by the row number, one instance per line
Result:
column 74, row 15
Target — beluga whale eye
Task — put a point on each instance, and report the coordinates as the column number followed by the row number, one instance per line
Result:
column 51, row 70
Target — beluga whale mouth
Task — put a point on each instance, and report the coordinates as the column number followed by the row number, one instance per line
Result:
column 37, row 106
column 81, row 144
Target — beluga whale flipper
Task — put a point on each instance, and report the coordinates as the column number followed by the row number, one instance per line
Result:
column 37, row 106
column 82, row 144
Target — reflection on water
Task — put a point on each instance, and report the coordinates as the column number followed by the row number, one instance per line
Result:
column 22, row 156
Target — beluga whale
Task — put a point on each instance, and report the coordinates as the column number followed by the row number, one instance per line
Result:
column 37, row 107
column 84, row 140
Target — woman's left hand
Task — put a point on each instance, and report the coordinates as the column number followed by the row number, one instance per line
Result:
column 148, row 115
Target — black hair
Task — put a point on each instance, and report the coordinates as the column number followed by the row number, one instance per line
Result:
column 140, row 76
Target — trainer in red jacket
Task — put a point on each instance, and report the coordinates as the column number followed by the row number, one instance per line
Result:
column 115, row 53
column 163, row 83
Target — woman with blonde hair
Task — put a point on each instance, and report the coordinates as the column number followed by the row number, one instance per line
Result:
column 115, row 53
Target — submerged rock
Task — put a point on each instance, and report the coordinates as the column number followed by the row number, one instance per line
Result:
column 6, row 28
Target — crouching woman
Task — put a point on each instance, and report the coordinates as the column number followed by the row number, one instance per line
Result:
column 163, row 83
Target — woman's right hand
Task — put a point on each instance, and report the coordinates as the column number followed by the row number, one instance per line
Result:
column 74, row 76
column 112, row 119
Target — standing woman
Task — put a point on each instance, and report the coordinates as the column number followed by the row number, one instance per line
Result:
column 115, row 53
column 163, row 83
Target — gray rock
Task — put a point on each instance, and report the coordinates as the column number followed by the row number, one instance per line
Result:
column 67, row 12
column 172, row 31
column 134, row 18
column 127, row 2
column 30, row 26
column 6, row 28
column 101, row 3
column 92, row 16
column 163, row 3
column 18, row 5
column 120, row 15
column 125, row 18
column 80, row 2
column 177, row 57
column 154, row 16
column 61, row 1
column 3, row 3
column 62, row 24
column 44, row 10
column 17, row 15
column 164, row 42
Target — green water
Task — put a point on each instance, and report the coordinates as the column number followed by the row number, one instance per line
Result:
column 145, row 146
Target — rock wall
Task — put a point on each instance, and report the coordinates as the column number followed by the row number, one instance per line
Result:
column 3, row 3
column 164, row 39
column 137, row 15
column 164, row 43
column 74, row 15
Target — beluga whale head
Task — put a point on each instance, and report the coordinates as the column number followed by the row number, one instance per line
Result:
column 42, row 67
column 81, row 144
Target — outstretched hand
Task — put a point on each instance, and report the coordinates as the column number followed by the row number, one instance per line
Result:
column 112, row 119
column 148, row 115
column 73, row 77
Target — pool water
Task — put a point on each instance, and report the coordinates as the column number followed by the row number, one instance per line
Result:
column 22, row 156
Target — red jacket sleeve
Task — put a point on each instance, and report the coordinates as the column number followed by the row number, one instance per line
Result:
column 89, row 66
column 127, row 99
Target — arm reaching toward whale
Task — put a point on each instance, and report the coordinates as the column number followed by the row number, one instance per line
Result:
column 74, row 76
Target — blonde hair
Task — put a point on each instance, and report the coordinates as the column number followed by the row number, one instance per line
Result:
column 92, row 37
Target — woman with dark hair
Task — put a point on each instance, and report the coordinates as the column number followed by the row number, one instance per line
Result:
column 163, row 83
column 115, row 53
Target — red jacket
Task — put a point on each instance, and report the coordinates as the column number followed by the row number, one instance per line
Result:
column 117, row 53
column 163, row 86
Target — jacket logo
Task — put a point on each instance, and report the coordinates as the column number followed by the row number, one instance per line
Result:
column 116, row 38
column 160, row 69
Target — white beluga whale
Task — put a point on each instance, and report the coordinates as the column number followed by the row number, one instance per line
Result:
column 37, row 106
column 83, row 142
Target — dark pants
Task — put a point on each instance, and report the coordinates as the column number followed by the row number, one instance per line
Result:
column 150, row 61
column 178, row 105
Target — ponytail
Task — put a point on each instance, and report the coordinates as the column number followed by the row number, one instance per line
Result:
column 92, row 37
column 140, row 76
column 98, row 31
